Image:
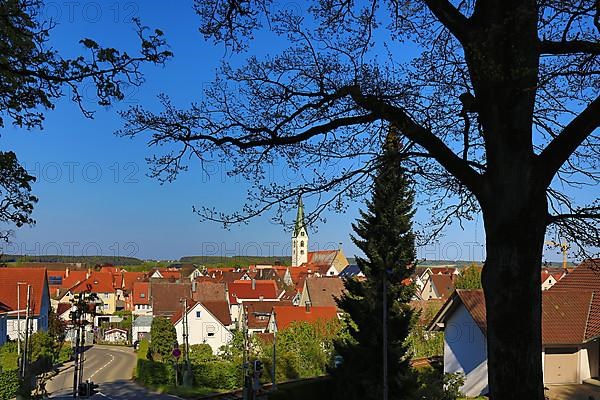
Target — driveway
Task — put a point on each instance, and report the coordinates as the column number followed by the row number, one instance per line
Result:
column 573, row 392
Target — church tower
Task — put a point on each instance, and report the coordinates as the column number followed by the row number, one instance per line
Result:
column 299, row 238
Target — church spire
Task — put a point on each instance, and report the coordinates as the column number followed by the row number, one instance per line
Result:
column 299, row 237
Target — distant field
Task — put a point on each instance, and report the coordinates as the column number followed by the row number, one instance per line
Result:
column 235, row 261
column 89, row 260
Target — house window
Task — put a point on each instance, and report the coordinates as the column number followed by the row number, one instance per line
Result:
column 302, row 243
column 142, row 295
column 302, row 233
column 301, row 251
column 198, row 314
column 210, row 331
column 106, row 295
column 105, row 306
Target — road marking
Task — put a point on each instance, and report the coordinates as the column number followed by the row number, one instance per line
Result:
column 103, row 395
column 112, row 358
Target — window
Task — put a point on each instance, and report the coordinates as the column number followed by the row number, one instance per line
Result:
column 105, row 306
column 301, row 233
column 302, row 243
column 142, row 295
column 301, row 251
column 210, row 331
column 106, row 295
column 198, row 314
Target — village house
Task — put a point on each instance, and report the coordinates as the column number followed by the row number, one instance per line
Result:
column 115, row 335
column 242, row 291
column 322, row 291
column 140, row 328
column 570, row 336
column 102, row 284
column 140, row 298
column 437, row 287
column 167, row 297
column 284, row 316
column 207, row 323
column 14, row 283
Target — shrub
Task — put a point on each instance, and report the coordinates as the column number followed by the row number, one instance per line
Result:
column 143, row 348
column 154, row 373
column 9, row 384
column 8, row 356
column 200, row 353
column 217, row 375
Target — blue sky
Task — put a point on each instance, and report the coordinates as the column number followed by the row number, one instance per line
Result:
column 94, row 194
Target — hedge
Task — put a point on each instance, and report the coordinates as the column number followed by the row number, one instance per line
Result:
column 9, row 384
column 154, row 373
column 217, row 375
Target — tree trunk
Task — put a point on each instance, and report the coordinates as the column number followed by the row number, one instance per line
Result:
column 515, row 227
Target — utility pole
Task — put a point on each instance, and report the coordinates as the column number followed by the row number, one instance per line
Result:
column 19, row 360
column 187, row 375
column 274, row 369
column 74, row 318
column 385, row 338
column 25, row 354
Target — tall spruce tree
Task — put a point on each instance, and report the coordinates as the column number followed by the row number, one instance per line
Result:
column 384, row 234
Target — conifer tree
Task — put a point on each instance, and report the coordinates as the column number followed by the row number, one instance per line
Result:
column 384, row 234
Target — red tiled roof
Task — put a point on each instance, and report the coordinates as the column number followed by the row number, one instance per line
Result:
column 166, row 296
column 322, row 257
column 443, row 284
column 62, row 308
column 286, row 315
column 130, row 278
column 98, row 282
column 568, row 317
column 36, row 277
column 209, row 290
column 257, row 311
column 244, row 290
column 220, row 309
column 73, row 278
column 585, row 276
column 140, row 288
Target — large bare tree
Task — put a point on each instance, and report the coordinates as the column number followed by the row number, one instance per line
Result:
column 497, row 102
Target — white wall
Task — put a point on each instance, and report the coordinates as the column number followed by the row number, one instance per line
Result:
column 201, row 327
column 465, row 350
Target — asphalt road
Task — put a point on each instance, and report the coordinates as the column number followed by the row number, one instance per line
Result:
column 111, row 368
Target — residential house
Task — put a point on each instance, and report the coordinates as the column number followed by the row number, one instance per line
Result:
column 256, row 315
column 115, row 335
column 166, row 297
column 570, row 337
column 166, row 273
column 327, row 262
column 103, row 285
column 207, row 323
column 241, row 291
column 14, row 283
column 550, row 278
column 140, row 298
column 437, row 286
column 283, row 316
column 322, row 291
column 140, row 328
column 352, row 271
column 208, row 289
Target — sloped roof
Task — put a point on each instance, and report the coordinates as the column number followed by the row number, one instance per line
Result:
column 322, row 257
column 166, row 296
column 130, row 278
column 286, row 315
column 62, row 308
column 36, row 277
column 585, row 276
column 140, row 288
column 73, row 278
column 257, row 309
column 350, row 271
column 244, row 290
column 219, row 309
column 568, row 317
column 143, row 320
column 209, row 290
column 98, row 282
column 323, row 291
column 443, row 284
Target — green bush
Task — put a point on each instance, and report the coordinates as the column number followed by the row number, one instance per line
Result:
column 65, row 353
column 9, row 384
column 142, row 351
column 8, row 356
column 217, row 375
column 154, row 373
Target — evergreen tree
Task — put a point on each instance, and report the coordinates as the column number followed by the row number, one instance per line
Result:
column 163, row 338
column 384, row 234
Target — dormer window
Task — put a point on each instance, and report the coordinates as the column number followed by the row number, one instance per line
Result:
column 142, row 295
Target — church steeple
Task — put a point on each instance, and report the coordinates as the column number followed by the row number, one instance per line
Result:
column 299, row 237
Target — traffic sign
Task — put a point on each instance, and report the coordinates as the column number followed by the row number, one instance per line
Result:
column 176, row 352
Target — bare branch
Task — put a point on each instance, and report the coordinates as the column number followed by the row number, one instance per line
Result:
column 569, row 47
column 452, row 19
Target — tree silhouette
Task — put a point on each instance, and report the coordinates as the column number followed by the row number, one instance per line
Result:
column 496, row 101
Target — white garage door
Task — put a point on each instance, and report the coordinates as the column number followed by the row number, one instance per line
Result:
column 560, row 365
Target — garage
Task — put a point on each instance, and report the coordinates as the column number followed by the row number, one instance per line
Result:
column 560, row 365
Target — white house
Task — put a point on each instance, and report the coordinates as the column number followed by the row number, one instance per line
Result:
column 207, row 323
column 115, row 335
column 140, row 328
column 570, row 337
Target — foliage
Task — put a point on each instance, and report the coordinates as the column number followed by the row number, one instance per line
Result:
column 234, row 350
column 143, row 349
column 234, row 261
column 65, row 353
column 200, row 353
column 425, row 344
column 9, row 356
column 15, row 188
column 9, row 384
column 150, row 373
column 217, row 374
column 164, row 338
column 43, row 351
column 56, row 327
column 435, row 385
column 303, row 350
column 385, row 236
column 469, row 278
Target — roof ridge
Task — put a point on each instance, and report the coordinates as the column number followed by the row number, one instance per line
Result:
column 587, row 319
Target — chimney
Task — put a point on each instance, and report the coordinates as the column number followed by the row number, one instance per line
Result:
column 307, row 306
column 193, row 286
column 253, row 284
column 67, row 270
